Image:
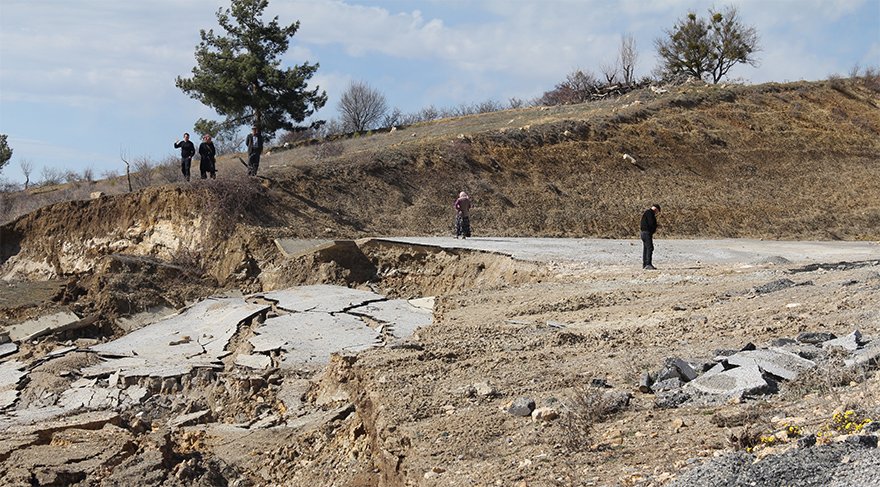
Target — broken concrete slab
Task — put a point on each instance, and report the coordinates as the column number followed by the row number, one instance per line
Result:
column 46, row 421
column 139, row 320
column 866, row 356
column 426, row 303
column 190, row 419
column 675, row 367
column 8, row 349
column 43, row 325
column 747, row 379
column 310, row 338
column 258, row 362
column 815, row 337
column 778, row 362
column 321, row 298
column 850, row 342
column 196, row 338
column 402, row 317
column 11, row 373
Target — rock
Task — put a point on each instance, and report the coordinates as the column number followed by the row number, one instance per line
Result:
column 599, row 382
column 813, row 337
column 779, row 342
column 806, row 441
column 96, row 194
column 678, row 424
column 774, row 286
column 616, row 400
column 43, row 325
column 8, row 349
column 867, row 441
column 522, row 406
column 256, row 361
column 544, row 414
column 484, row 389
column 850, row 342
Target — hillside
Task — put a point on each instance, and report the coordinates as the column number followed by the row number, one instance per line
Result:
column 232, row 391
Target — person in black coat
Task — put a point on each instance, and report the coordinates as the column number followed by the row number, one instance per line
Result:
column 254, row 143
column 647, row 228
column 187, row 151
column 208, row 154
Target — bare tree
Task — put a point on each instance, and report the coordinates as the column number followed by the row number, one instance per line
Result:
column 27, row 167
column 127, row 169
column 361, row 107
column 628, row 57
column 609, row 71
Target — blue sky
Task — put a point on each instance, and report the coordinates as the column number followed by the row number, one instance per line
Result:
column 83, row 80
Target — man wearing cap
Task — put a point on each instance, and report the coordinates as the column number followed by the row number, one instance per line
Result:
column 647, row 228
column 254, row 143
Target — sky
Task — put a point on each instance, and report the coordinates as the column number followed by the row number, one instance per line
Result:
column 84, row 81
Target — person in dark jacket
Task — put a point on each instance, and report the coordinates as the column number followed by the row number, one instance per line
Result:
column 187, row 151
column 462, row 207
column 647, row 228
column 254, row 143
column 208, row 162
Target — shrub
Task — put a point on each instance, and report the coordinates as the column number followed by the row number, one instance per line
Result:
column 588, row 406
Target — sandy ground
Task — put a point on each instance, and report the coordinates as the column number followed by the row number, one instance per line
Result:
column 434, row 410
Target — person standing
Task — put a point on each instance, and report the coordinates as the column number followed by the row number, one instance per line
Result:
column 254, row 143
column 647, row 228
column 462, row 216
column 208, row 162
column 187, row 151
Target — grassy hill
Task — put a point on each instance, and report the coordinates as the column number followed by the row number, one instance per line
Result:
column 788, row 161
column 782, row 161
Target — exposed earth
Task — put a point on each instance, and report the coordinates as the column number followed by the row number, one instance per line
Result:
column 303, row 329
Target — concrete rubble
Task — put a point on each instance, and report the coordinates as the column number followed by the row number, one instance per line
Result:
column 752, row 370
column 308, row 324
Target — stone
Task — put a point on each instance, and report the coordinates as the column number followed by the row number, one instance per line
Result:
column 616, row 400
column 774, row 286
column 671, row 399
column 850, row 342
column 813, row 337
column 868, row 441
column 96, row 194
column 522, row 406
column 485, row 389
column 775, row 361
column 746, row 379
column 545, row 413
column 43, row 325
column 11, row 373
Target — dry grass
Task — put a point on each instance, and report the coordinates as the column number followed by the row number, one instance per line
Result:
column 587, row 407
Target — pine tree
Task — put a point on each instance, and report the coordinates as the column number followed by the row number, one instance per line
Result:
column 239, row 74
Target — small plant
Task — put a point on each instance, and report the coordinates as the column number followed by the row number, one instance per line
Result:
column 589, row 406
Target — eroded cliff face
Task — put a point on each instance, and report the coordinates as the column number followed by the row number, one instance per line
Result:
column 172, row 224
